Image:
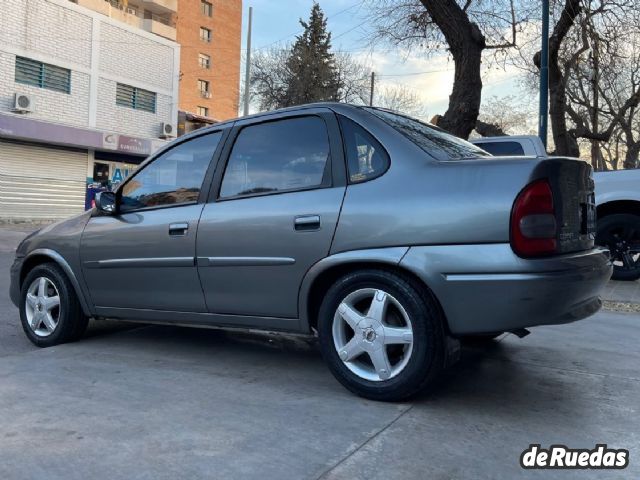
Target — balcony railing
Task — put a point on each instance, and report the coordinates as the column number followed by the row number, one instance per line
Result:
column 164, row 20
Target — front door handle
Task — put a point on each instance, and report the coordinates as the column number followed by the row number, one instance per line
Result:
column 307, row 222
column 178, row 229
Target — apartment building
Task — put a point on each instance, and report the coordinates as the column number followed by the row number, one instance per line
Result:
column 208, row 32
column 84, row 98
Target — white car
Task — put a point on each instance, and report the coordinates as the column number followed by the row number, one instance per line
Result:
column 617, row 200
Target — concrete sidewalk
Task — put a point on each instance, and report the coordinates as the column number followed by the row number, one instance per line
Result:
column 622, row 291
column 167, row 403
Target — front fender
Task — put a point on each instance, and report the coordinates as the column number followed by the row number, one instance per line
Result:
column 382, row 256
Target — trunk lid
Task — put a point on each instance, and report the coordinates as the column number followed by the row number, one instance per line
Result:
column 574, row 201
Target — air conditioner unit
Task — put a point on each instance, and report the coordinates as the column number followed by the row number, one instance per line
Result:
column 206, row 94
column 22, row 103
column 167, row 130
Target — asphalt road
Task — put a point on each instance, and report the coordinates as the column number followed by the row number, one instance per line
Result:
column 171, row 403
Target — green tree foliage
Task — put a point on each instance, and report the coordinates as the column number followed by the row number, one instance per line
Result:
column 311, row 72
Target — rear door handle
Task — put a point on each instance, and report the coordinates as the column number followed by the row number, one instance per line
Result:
column 178, row 229
column 307, row 222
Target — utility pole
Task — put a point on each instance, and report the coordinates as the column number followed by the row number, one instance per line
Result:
column 544, row 75
column 373, row 84
column 247, row 73
column 595, row 79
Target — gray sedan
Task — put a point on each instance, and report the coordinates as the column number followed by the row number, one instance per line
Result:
column 384, row 236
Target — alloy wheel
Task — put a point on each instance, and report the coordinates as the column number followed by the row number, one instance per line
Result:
column 372, row 334
column 624, row 244
column 42, row 306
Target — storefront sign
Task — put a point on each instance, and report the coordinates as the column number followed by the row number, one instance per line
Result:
column 23, row 128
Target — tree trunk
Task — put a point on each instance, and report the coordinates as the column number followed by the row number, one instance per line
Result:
column 466, row 44
column 486, row 129
column 631, row 157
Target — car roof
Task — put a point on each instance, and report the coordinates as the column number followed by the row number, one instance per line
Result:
column 306, row 106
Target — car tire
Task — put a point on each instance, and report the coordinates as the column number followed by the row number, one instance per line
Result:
column 50, row 311
column 620, row 233
column 411, row 315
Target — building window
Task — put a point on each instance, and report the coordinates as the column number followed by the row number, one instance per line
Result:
column 203, row 87
column 137, row 98
column 203, row 111
column 205, row 34
column 43, row 75
column 207, row 8
column 204, row 60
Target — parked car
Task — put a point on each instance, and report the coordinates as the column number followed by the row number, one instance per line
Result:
column 617, row 201
column 383, row 235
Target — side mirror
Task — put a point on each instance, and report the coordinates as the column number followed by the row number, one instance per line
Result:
column 106, row 202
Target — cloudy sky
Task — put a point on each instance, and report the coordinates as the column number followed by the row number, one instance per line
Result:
column 276, row 23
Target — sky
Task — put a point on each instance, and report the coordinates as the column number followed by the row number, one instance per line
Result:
column 276, row 23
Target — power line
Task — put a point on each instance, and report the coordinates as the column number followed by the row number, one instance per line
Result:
column 425, row 72
column 357, row 4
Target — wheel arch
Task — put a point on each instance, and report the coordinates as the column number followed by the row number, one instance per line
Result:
column 618, row 206
column 322, row 275
column 43, row 255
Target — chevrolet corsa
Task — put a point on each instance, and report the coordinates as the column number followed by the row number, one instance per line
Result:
column 383, row 235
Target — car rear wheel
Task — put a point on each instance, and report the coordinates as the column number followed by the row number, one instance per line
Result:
column 620, row 233
column 381, row 335
column 49, row 309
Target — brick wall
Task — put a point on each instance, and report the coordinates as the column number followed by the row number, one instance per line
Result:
column 224, row 49
column 71, row 109
column 129, row 55
column 48, row 28
column 127, row 120
column 63, row 34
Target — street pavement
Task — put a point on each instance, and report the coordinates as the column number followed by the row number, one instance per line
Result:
column 152, row 402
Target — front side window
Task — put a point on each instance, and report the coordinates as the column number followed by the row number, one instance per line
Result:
column 136, row 98
column 175, row 177
column 283, row 155
column 205, row 34
column 366, row 159
column 433, row 140
column 42, row 75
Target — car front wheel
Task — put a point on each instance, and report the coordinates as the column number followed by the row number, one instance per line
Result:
column 381, row 335
column 49, row 309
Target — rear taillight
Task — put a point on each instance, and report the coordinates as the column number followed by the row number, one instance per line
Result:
column 533, row 221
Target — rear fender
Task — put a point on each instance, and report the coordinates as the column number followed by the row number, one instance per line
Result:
column 384, row 256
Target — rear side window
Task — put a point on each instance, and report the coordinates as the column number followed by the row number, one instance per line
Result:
column 366, row 158
column 501, row 149
column 283, row 155
column 175, row 177
column 433, row 140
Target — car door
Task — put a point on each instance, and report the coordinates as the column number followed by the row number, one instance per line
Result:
column 272, row 213
column 143, row 257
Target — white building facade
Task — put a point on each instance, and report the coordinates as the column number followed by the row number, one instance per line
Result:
column 84, row 98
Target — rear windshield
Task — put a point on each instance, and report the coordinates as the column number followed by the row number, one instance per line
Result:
column 433, row 140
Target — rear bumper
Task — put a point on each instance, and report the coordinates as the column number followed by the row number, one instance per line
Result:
column 487, row 288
